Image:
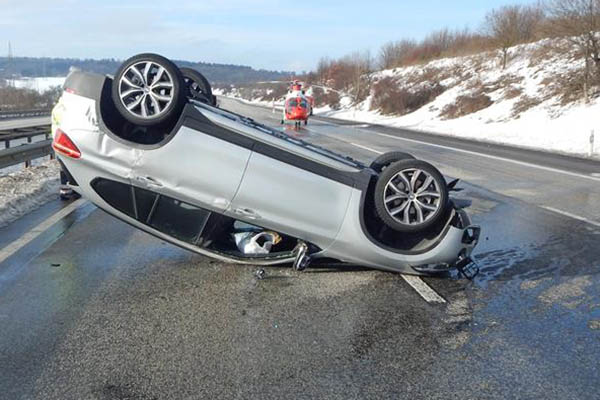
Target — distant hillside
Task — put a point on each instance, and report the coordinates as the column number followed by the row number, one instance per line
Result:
column 535, row 101
column 47, row 67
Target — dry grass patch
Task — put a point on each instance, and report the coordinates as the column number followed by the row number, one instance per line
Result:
column 512, row 92
column 391, row 99
column 329, row 98
column 465, row 105
column 523, row 104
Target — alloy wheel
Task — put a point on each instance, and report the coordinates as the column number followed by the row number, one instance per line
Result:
column 146, row 89
column 412, row 196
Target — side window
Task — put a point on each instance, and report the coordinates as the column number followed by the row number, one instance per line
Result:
column 178, row 219
column 172, row 217
column 144, row 201
column 117, row 194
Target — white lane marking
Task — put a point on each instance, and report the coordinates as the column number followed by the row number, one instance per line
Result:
column 561, row 171
column 423, row 289
column 366, row 148
column 18, row 244
column 574, row 216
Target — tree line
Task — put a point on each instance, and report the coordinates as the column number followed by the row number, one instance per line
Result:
column 214, row 72
column 576, row 21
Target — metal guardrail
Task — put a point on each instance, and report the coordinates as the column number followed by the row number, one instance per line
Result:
column 27, row 151
column 19, row 133
column 24, row 113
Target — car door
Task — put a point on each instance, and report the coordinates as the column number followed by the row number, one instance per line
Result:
column 193, row 167
column 279, row 195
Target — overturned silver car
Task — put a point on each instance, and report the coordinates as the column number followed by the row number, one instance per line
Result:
column 150, row 147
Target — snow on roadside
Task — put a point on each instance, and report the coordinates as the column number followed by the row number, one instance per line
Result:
column 568, row 133
column 27, row 189
column 548, row 124
column 534, row 103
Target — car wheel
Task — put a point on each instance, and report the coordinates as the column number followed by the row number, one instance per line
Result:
column 386, row 159
column 197, row 86
column 410, row 195
column 148, row 90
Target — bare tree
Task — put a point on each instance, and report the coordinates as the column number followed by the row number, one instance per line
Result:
column 389, row 54
column 393, row 54
column 511, row 25
column 578, row 21
column 360, row 64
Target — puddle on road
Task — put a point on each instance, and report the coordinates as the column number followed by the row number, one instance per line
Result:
column 538, row 287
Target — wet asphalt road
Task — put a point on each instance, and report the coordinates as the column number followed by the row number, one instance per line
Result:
column 94, row 309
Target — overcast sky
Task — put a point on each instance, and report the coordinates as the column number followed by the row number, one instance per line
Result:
column 282, row 35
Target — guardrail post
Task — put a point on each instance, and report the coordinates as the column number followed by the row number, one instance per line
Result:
column 592, row 144
column 51, row 153
column 6, row 144
column 28, row 162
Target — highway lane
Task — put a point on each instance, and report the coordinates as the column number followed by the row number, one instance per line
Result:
column 24, row 122
column 95, row 309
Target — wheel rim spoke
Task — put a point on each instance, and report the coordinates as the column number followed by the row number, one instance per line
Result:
column 406, row 214
column 155, row 104
column 402, row 207
column 404, row 179
column 428, row 207
column 147, row 73
column 130, row 92
column 135, row 103
column 158, row 75
column 137, row 73
column 413, row 180
column 160, row 96
column 130, row 83
column 395, row 188
column 396, row 197
column 162, row 85
column 425, row 184
column 428, row 194
column 419, row 210
column 144, row 106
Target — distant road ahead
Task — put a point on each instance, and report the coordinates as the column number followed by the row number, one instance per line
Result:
column 24, row 122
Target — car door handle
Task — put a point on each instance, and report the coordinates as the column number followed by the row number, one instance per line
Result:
column 246, row 212
column 150, row 181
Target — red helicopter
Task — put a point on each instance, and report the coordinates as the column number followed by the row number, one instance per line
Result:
column 297, row 107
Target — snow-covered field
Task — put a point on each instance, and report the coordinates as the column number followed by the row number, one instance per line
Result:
column 25, row 190
column 527, row 109
column 40, row 84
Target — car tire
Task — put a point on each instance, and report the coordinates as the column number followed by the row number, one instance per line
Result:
column 148, row 90
column 408, row 203
column 386, row 159
column 197, row 86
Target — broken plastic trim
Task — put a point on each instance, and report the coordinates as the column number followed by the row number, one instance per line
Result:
column 302, row 259
column 467, row 267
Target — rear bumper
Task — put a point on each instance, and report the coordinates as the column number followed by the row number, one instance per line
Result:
column 469, row 239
